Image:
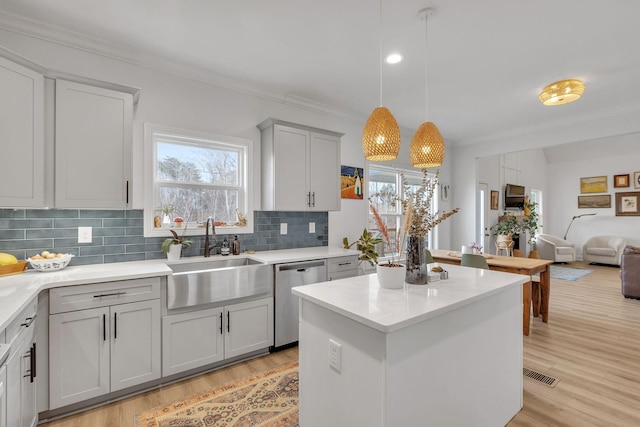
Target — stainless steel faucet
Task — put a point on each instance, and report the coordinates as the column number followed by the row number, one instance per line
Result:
column 207, row 245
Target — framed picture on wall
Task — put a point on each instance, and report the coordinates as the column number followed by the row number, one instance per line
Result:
column 593, row 184
column 597, row 201
column 495, row 196
column 628, row 204
column 636, row 179
column 620, row 181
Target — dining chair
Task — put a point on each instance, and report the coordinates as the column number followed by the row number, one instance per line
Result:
column 428, row 258
column 474, row 260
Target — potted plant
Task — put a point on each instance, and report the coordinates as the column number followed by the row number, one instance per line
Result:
column 391, row 274
column 505, row 229
column 530, row 222
column 173, row 245
column 166, row 211
column 366, row 244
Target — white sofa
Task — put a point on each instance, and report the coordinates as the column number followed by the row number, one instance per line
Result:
column 604, row 249
column 555, row 249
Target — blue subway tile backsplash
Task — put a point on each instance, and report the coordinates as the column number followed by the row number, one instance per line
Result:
column 118, row 235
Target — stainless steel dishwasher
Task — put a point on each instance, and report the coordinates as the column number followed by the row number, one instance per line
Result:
column 286, row 304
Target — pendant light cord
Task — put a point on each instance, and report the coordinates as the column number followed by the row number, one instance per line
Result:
column 426, row 63
column 380, row 42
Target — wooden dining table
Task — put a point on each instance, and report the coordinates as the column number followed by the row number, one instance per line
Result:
column 518, row 265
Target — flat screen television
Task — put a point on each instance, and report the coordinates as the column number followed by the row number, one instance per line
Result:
column 514, row 196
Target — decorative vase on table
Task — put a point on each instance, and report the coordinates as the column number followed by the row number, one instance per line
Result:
column 417, row 268
column 174, row 252
column 390, row 276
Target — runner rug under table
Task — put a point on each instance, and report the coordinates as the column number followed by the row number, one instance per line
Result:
column 268, row 399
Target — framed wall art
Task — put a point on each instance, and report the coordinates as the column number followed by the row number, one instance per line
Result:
column 593, row 184
column 495, row 196
column 620, row 181
column 351, row 182
column 597, row 201
column 628, row 204
column 636, row 179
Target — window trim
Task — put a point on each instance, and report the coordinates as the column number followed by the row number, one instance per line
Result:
column 397, row 171
column 247, row 172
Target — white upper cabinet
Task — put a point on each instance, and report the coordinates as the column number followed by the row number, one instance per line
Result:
column 300, row 167
column 93, row 146
column 21, row 136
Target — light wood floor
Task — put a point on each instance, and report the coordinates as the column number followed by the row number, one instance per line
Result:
column 591, row 345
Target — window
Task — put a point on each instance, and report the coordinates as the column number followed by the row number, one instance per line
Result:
column 387, row 183
column 196, row 176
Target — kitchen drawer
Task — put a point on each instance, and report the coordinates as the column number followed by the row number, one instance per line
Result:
column 342, row 274
column 26, row 317
column 344, row 263
column 81, row 297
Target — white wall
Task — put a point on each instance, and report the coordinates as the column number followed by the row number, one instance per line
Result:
column 194, row 102
column 557, row 171
column 567, row 164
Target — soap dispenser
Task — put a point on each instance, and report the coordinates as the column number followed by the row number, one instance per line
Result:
column 236, row 246
column 224, row 250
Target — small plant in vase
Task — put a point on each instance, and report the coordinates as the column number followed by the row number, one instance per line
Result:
column 476, row 248
column 173, row 245
column 391, row 273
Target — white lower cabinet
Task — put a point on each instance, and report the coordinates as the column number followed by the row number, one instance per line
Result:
column 199, row 338
column 21, row 388
column 100, row 350
column 3, row 396
column 20, row 385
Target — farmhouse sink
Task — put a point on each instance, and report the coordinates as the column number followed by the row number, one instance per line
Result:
column 215, row 281
column 211, row 264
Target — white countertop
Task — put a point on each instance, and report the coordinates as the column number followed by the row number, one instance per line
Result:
column 387, row 310
column 17, row 290
column 301, row 254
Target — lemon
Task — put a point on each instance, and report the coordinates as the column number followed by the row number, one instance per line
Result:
column 7, row 259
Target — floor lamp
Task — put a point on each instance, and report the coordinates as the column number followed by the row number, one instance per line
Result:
column 573, row 219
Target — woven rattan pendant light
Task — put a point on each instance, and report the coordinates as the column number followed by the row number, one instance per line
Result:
column 381, row 134
column 427, row 145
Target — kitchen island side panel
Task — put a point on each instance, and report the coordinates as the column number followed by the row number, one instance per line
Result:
column 463, row 367
column 352, row 397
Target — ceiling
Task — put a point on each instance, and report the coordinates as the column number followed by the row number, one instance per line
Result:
column 487, row 61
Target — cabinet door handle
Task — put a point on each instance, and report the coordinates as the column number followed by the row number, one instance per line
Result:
column 309, row 199
column 314, row 199
column 115, row 326
column 29, row 321
column 127, row 190
column 104, row 327
column 220, row 323
column 31, row 354
column 228, row 322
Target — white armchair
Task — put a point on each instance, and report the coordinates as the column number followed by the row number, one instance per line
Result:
column 604, row 249
column 555, row 249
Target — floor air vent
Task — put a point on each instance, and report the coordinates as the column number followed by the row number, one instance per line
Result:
column 537, row 376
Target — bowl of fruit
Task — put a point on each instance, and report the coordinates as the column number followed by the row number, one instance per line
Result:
column 49, row 261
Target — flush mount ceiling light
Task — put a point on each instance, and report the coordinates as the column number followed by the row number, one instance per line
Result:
column 393, row 58
column 562, row 92
column 381, row 134
column 427, row 145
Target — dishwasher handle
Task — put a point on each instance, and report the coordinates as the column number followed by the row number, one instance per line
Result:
column 301, row 266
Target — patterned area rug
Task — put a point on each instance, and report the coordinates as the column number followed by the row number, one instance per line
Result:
column 568, row 273
column 268, row 399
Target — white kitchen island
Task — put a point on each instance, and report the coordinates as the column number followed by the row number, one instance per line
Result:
column 444, row 354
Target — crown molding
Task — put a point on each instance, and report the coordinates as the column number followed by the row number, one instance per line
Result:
column 86, row 43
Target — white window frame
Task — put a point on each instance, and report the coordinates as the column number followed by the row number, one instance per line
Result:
column 417, row 173
column 246, row 170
